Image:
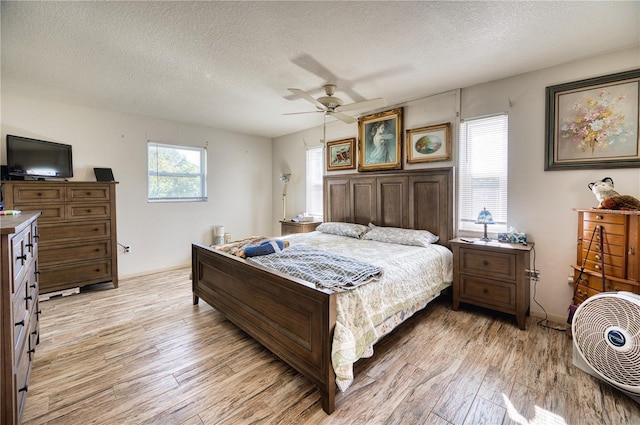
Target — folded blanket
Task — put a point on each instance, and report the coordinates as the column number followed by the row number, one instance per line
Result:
column 239, row 247
column 322, row 268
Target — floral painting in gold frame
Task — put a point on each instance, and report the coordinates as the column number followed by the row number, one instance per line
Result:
column 593, row 123
column 429, row 144
column 380, row 141
column 341, row 154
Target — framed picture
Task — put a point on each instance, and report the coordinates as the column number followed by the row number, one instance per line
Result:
column 341, row 154
column 380, row 141
column 429, row 144
column 593, row 123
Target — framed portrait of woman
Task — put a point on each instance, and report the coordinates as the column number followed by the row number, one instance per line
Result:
column 380, row 141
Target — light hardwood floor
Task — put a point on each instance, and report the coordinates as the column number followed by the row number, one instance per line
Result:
column 143, row 354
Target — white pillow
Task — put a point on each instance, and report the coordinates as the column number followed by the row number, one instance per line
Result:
column 400, row 236
column 351, row 230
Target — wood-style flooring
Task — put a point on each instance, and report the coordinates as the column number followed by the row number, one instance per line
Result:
column 143, row 354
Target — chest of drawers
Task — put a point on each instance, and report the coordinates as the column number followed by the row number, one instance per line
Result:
column 19, row 311
column 617, row 255
column 291, row 227
column 78, row 244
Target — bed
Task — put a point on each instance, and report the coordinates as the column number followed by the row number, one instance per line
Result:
column 293, row 318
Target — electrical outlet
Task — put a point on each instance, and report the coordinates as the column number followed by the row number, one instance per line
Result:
column 533, row 274
column 127, row 248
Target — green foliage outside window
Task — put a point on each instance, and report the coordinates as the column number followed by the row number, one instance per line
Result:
column 176, row 172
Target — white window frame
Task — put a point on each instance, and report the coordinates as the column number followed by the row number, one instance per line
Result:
column 314, row 182
column 201, row 175
column 483, row 172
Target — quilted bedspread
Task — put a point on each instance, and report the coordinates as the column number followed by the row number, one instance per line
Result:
column 412, row 277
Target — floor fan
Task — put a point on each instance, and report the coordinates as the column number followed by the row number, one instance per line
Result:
column 606, row 340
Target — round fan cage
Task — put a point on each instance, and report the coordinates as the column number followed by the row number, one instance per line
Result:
column 606, row 333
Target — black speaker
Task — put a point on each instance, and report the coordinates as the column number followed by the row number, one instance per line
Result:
column 4, row 174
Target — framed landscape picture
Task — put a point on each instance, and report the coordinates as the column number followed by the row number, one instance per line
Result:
column 593, row 123
column 341, row 154
column 429, row 144
column 380, row 141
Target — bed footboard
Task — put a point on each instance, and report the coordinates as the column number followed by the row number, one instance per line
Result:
column 290, row 317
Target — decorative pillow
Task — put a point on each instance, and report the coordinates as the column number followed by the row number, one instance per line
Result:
column 351, row 230
column 400, row 236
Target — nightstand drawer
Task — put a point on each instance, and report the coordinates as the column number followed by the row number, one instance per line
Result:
column 486, row 263
column 488, row 293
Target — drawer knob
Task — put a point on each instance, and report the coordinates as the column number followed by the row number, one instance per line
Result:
column 20, row 323
column 598, row 217
column 36, row 236
column 31, row 351
column 39, row 312
column 597, row 267
column 88, row 193
column 485, row 262
column 21, row 257
column 23, row 389
column 632, row 250
column 88, row 211
column 597, row 257
column 29, row 245
column 28, row 297
column 34, row 333
column 596, row 248
column 485, row 291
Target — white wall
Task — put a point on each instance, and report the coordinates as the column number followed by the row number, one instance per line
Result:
column 160, row 234
column 540, row 202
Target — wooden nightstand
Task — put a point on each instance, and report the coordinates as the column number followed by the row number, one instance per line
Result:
column 290, row 227
column 492, row 275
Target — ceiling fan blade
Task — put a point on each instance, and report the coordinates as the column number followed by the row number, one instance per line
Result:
column 365, row 104
column 306, row 96
column 342, row 117
column 298, row 113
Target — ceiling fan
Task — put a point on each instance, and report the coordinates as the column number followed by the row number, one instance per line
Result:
column 333, row 106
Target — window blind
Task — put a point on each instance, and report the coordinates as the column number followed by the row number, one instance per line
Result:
column 483, row 171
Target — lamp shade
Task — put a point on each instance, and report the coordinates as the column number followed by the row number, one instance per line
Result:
column 485, row 217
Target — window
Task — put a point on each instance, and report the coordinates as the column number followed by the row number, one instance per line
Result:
column 176, row 173
column 483, row 171
column 315, row 165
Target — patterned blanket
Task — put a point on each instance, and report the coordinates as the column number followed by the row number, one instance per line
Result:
column 322, row 268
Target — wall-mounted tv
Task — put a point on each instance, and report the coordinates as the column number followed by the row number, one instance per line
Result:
column 38, row 158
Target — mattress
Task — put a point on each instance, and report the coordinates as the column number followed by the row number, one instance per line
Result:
column 413, row 276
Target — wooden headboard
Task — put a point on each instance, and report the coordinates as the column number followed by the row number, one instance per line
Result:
column 420, row 199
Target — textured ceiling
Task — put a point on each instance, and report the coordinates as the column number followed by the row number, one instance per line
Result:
column 228, row 64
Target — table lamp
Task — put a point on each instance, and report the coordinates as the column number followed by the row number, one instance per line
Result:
column 485, row 218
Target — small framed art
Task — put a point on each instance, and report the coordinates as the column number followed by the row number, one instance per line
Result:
column 341, row 154
column 429, row 144
column 380, row 141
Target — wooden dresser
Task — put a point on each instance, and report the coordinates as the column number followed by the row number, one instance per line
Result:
column 19, row 313
column 492, row 275
column 620, row 252
column 78, row 244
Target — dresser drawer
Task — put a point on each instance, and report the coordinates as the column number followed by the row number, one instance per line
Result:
column 53, row 278
column 22, row 378
column 489, row 293
column 20, row 319
column 84, row 211
column 594, row 282
column 83, row 193
column 609, row 249
column 609, row 269
column 599, row 217
column 487, row 263
column 37, row 195
column 55, row 254
column 60, row 232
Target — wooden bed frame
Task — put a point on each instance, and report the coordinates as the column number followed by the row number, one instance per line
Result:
column 294, row 319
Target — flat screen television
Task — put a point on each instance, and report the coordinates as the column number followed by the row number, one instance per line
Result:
column 38, row 158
